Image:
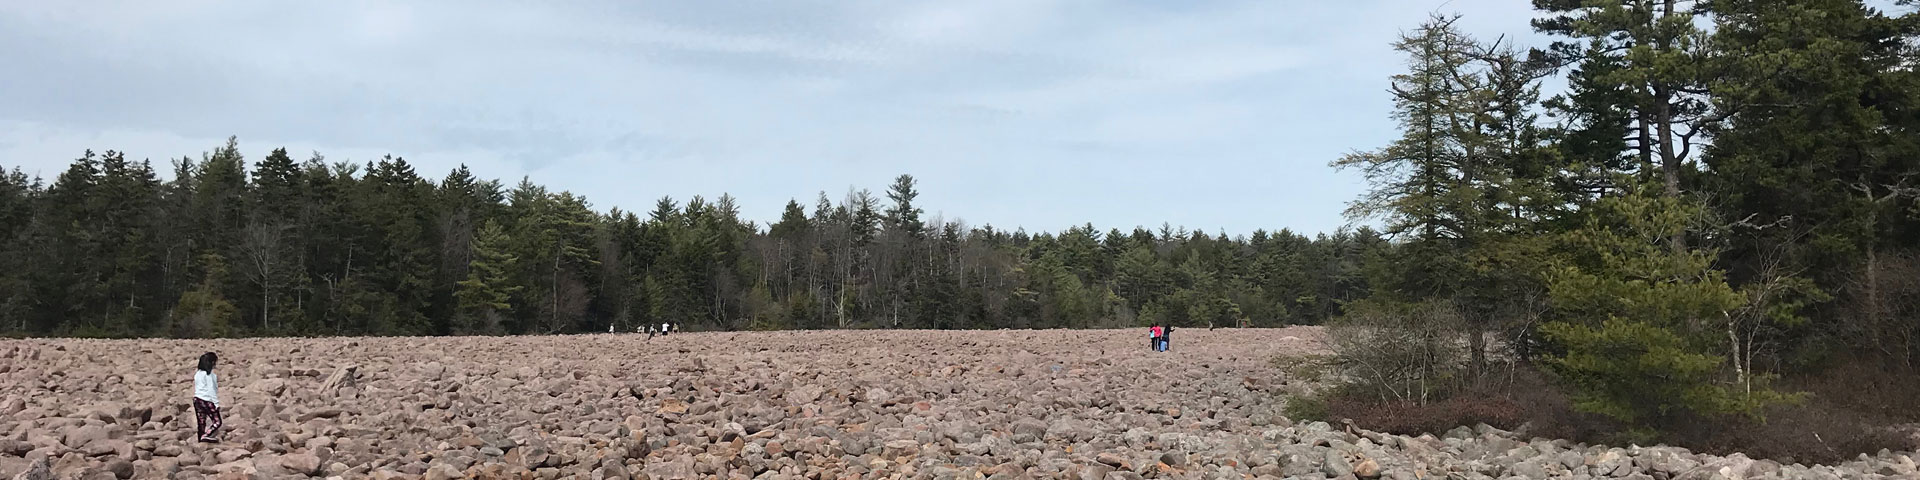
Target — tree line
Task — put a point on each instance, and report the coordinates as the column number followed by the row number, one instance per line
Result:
column 313, row 247
column 1725, row 193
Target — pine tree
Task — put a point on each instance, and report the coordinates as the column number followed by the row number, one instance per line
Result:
column 394, row 205
column 1632, row 318
column 903, row 217
column 1818, row 160
column 1418, row 183
column 485, row 296
column 17, row 203
column 1654, row 50
column 203, row 312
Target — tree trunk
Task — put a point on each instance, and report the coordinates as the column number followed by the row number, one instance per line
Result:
column 553, row 321
column 1733, row 342
column 1477, row 342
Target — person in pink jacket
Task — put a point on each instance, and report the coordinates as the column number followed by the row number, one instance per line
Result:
column 1153, row 337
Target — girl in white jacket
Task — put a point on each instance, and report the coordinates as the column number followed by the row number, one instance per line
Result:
column 206, row 397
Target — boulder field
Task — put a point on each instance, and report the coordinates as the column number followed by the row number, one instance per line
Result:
column 1078, row 404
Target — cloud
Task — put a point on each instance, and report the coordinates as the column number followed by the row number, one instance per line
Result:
column 1042, row 113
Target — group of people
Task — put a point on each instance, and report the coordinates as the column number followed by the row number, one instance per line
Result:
column 653, row 329
column 650, row 329
column 1159, row 337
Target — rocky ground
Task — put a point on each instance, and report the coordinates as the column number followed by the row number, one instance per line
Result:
column 847, row 404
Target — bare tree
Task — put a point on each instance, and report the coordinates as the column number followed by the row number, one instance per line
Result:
column 262, row 246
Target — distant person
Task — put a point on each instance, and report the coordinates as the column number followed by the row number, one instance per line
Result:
column 206, row 397
column 650, row 330
column 1166, row 338
column 1153, row 337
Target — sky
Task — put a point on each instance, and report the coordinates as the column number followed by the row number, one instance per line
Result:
column 1035, row 114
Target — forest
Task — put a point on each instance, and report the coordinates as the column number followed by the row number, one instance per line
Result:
column 311, row 247
column 1714, row 225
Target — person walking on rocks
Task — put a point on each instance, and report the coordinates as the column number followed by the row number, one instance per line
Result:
column 206, row 397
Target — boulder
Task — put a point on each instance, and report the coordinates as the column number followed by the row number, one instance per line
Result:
column 38, row 470
column 1334, row 464
column 15, row 448
column 301, row 463
column 443, row 472
column 1367, row 468
column 271, row 387
column 672, row 406
column 80, row 437
column 119, row 467
column 805, row 394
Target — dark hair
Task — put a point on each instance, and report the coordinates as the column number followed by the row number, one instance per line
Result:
column 206, row 361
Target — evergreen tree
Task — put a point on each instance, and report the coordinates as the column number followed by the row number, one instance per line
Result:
column 1630, row 317
column 203, row 312
column 486, row 294
column 1819, row 155
column 1652, row 51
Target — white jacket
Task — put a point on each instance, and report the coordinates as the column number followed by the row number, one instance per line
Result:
column 206, row 386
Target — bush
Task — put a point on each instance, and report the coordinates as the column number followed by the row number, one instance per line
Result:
column 1522, row 400
column 1852, row 408
column 1400, row 352
column 1305, row 368
column 1306, row 408
column 1841, row 420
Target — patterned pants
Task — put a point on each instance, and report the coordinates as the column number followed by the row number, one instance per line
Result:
column 209, row 416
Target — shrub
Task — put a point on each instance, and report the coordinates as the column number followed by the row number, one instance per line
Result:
column 1398, row 351
column 1305, row 368
column 1306, row 408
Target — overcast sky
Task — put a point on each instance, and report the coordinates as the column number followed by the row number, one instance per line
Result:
column 1041, row 114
